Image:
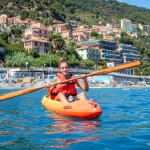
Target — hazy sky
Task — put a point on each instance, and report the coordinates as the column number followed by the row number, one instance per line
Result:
column 140, row 3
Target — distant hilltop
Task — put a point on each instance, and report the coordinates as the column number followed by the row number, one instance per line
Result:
column 85, row 11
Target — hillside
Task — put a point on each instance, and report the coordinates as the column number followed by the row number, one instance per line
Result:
column 85, row 11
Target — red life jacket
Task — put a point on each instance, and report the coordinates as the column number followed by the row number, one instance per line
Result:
column 65, row 88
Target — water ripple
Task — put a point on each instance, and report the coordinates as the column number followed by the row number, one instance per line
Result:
column 124, row 124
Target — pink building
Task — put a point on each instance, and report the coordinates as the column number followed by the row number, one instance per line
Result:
column 37, row 43
column 79, row 35
column 36, row 30
column 36, row 38
column 58, row 28
column 27, row 22
column 14, row 20
column 100, row 29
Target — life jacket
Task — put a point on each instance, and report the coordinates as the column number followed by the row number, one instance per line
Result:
column 65, row 88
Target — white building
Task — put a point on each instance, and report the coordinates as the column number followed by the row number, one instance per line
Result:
column 89, row 52
column 125, row 23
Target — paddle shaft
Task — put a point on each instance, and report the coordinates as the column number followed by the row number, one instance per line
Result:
column 19, row 93
column 96, row 73
column 107, row 70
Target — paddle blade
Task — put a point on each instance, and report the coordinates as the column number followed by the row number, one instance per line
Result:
column 18, row 93
column 115, row 68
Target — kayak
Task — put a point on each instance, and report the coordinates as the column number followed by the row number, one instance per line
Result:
column 83, row 109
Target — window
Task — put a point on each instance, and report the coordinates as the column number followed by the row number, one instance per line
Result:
column 46, row 44
column 35, row 43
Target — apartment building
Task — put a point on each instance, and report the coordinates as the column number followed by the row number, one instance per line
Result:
column 37, row 29
column 79, row 35
column 108, row 52
column 89, row 52
column 39, row 44
column 66, row 34
column 100, row 29
column 125, row 23
column 57, row 28
column 14, row 20
column 36, row 38
column 128, row 52
column 26, row 22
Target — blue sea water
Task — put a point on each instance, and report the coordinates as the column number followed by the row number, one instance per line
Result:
column 124, row 124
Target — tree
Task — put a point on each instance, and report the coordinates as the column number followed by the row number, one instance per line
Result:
column 47, row 60
column 16, row 31
column 57, row 42
column 94, row 34
column 2, row 43
column 88, row 64
column 13, row 48
column 103, row 64
column 126, row 40
column 18, row 59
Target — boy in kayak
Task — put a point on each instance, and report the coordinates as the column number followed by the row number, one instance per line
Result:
column 67, row 91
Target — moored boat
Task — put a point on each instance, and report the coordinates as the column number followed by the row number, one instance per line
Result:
column 83, row 109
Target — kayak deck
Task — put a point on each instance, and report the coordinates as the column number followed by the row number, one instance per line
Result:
column 83, row 109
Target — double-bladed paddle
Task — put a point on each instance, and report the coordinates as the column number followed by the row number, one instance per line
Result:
column 96, row 73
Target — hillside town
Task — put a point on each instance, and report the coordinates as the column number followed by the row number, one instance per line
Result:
column 35, row 37
column 75, row 74
column 36, row 34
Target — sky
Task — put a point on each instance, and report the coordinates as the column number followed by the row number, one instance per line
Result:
column 139, row 3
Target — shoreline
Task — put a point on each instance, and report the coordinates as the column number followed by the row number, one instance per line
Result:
column 90, row 87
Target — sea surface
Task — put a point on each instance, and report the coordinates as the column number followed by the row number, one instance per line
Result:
column 124, row 124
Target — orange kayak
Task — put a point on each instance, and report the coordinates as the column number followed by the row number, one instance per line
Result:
column 84, row 109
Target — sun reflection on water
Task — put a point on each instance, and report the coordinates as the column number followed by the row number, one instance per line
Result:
column 73, row 130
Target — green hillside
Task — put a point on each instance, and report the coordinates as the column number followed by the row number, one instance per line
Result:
column 85, row 11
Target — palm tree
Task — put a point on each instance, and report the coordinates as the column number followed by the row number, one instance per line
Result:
column 57, row 42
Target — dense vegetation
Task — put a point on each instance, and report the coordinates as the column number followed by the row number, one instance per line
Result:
column 15, row 55
column 85, row 11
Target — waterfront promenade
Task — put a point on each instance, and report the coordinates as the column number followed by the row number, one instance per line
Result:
column 30, row 77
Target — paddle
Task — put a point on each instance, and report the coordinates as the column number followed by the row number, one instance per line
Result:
column 96, row 73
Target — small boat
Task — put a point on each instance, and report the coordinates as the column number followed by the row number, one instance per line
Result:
column 83, row 109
